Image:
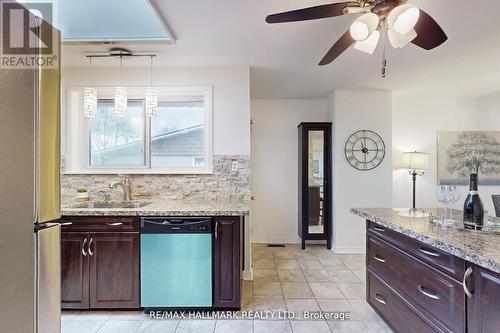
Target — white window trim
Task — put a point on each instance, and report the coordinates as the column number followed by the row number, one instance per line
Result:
column 76, row 149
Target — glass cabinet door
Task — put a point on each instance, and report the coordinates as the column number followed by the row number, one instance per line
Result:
column 315, row 181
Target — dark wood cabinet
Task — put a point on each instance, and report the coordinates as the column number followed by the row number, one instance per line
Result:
column 100, row 267
column 227, row 258
column 114, row 270
column 74, row 270
column 314, row 182
column 483, row 315
column 418, row 288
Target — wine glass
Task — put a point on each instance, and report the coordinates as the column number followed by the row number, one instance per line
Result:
column 442, row 196
column 453, row 197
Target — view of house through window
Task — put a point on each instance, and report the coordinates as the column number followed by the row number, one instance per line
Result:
column 174, row 139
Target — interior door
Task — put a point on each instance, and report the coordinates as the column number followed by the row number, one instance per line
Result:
column 114, row 270
column 74, row 270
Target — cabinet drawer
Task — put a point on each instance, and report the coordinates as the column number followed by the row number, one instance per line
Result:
column 394, row 310
column 435, row 293
column 99, row 223
column 443, row 261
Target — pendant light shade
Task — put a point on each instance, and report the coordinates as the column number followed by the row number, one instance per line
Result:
column 364, row 26
column 151, row 94
column 370, row 44
column 151, row 101
column 120, row 101
column 89, row 102
column 121, row 95
column 403, row 18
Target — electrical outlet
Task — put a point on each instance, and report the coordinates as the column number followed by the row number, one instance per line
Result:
column 234, row 165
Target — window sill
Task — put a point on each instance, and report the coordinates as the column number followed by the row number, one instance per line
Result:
column 137, row 172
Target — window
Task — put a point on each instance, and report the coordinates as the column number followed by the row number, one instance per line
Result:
column 177, row 140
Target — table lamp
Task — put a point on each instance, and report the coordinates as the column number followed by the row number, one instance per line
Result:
column 417, row 163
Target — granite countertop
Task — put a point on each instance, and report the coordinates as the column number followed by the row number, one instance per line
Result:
column 479, row 248
column 166, row 208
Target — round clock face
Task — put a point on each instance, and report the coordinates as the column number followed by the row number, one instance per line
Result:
column 365, row 150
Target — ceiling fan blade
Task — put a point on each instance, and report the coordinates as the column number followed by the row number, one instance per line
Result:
column 337, row 49
column 311, row 13
column 429, row 34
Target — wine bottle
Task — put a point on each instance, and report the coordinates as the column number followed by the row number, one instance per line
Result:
column 473, row 206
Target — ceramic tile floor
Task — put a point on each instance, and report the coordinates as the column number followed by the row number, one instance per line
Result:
column 285, row 279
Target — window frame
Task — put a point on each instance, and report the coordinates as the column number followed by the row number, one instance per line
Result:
column 79, row 163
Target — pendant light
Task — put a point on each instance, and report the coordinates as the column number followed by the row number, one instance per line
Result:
column 151, row 95
column 89, row 99
column 121, row 95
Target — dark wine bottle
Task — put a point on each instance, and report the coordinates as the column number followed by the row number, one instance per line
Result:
column 473, row 206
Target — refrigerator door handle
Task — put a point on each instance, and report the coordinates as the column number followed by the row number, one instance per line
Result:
column 83, row 247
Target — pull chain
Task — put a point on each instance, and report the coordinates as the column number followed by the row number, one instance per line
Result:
column 384, row 59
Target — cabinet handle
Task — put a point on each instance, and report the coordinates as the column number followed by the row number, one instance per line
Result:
column 66, row 223
column 83, row 247
column 468, row 272
column 427, row 293
column 216, row 228
column 90, row 244
column 376, row 257
column 428, row 252
column 114, row 224
column 379, row 229
column 380, row 299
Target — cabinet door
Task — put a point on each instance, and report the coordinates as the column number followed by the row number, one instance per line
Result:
column 227, row 258
column 484, row 305
column 74, row 270
column 114, row 270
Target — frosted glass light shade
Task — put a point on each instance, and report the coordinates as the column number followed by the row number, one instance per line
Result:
column 415, row 161
column 403, row 18
column 89, row 102
column 364, row 26
column 399, row 40
column 120, row 101
column 151, row 101
column 370, row 44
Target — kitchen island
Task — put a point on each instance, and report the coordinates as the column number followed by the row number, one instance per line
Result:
column 421, row 278
column 101, row 260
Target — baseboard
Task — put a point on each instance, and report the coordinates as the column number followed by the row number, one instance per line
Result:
column 248, row 275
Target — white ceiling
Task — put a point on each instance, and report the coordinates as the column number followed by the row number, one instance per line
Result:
column 284, row 57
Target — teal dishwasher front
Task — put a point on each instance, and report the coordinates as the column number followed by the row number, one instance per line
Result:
column 176, row 262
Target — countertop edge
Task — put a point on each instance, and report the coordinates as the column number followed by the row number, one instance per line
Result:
column 136, row 212
column 473, row 258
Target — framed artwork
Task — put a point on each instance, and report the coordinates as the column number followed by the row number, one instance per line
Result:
column 461, row 153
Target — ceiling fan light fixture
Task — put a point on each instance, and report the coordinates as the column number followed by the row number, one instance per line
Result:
column 403, row 18
column 401, row 40
column 370, row 44
column 364, row 26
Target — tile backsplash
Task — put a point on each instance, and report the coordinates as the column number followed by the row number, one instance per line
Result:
column 223, row 184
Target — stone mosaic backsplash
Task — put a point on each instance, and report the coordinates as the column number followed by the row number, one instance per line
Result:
column 223, row 184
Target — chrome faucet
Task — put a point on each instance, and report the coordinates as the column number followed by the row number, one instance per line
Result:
column 125, row 186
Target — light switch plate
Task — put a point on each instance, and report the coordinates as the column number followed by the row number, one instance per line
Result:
column 234, row 165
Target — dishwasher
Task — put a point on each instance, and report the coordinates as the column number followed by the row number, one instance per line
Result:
column 176, row 262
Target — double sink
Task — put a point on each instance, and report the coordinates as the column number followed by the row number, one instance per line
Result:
column 111, row 204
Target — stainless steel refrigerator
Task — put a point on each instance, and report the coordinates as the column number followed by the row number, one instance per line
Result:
column 30, row 199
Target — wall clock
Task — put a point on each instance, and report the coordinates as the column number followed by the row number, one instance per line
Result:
column 365, row 150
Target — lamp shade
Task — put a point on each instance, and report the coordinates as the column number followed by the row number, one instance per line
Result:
column 370, row 44
column 364, row 26
column 403, row 18
column 415, row 161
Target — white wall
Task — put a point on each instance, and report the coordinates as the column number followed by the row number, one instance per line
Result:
column 231, row 95
column 416, row 122
column 274, row 165
column 355, row 110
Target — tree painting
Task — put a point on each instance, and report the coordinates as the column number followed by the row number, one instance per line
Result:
column 474, row 152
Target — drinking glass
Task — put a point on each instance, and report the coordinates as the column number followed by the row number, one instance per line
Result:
column 453, row 197
column 442, row 197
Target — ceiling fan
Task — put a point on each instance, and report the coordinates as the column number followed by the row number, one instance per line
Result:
column 404, row 23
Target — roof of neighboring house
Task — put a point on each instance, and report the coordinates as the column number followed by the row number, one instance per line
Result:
column 186, row 141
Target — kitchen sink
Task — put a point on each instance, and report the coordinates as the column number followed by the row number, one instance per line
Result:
column 111, row 205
